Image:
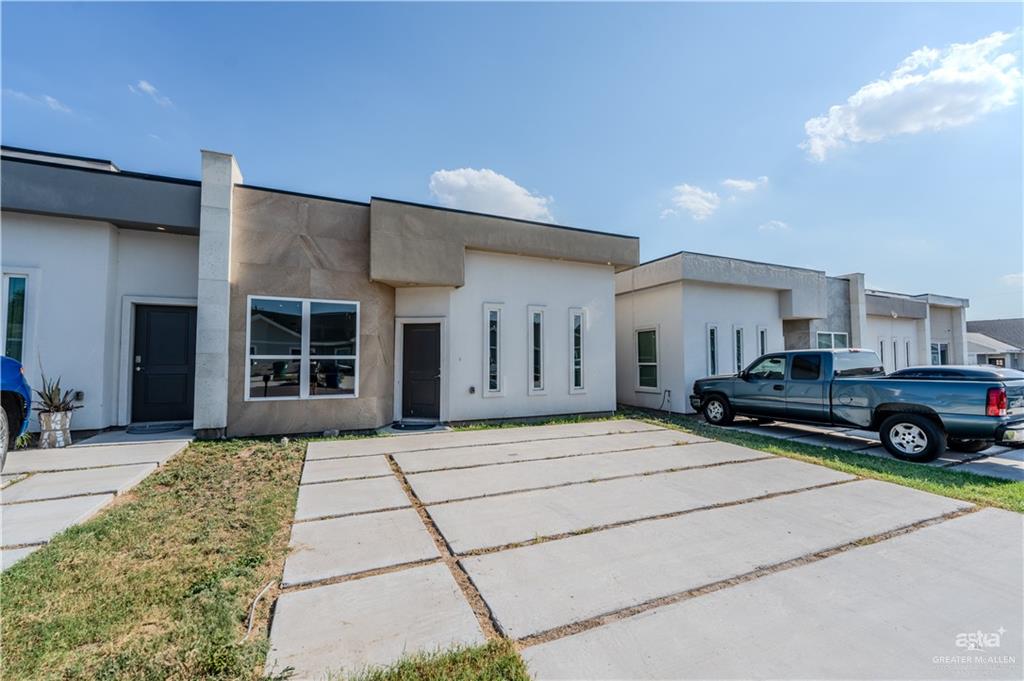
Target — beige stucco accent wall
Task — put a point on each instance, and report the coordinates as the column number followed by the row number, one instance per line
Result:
column 296, row 246
column 414, row 245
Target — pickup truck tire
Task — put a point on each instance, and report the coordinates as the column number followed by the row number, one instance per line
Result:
column 717, row 411
column 967, row 446
column 912, row 437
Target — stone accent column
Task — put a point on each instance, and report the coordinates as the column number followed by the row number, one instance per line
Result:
column 220, row 175
column 858, row 309
column 958, row 347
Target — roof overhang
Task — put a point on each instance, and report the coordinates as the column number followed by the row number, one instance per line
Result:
column 802, row 292
column 418, row 245
column 129, row 200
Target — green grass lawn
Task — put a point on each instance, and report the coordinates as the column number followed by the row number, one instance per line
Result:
column 158, row 586
column 948, row 482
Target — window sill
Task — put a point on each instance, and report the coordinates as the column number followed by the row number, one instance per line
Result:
column 647, row 390
column 299, row 397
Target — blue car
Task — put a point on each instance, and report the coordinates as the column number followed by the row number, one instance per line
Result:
column 16, row 399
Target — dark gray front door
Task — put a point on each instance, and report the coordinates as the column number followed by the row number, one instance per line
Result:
column 421, row 371
column 164, row 363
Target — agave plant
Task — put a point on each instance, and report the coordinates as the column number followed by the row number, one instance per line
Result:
column 52, row 399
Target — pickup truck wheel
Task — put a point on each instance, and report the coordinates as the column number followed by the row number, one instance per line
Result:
column 967, row 446
column 717, row 411
column 913, row 437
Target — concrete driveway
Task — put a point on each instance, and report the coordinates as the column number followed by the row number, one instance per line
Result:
column 46, row 491
column 618, row 549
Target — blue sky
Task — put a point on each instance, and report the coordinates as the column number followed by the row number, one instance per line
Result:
column 626, row 118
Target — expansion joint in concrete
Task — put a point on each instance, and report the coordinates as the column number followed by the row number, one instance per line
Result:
column 642, row 474
column 661, row 516
column 764, row 571
column 488, row 623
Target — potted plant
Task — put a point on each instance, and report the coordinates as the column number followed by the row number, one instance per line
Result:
column 54, row 407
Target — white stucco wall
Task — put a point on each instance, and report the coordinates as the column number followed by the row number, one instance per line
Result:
column 729, row 308
column 517, row 283
column 886, row 330
column 682, row 312
column 78, row 272
column 660, row 308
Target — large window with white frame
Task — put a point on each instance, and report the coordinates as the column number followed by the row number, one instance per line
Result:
column 15, row 287
column 535, row 342
column 577, row 328
column 762, row 341
column 940, row 353
column 737, row 334
column 833, row 339
column 492, row 350
column 302, row 349
column 647, row 359
column 712, row 341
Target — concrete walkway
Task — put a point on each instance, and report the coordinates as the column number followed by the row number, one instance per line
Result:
column 46, row 491
column 997, row 461
column 616, row 549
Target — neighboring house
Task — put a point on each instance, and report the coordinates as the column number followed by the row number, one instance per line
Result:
column 690, row 315
column 997, row 341
column 250, row 311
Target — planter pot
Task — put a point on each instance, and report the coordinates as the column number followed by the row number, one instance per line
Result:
column 54, row 429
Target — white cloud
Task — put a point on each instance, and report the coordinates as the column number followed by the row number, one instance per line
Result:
column 930, row 90
column 144, row 87
column 1013, row 279
column 486, row 191
column 773, row 226
column 745, row 185
column 46, row 100
column 699, row 203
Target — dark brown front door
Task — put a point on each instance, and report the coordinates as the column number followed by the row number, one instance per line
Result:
column 164, row 363
column 421, row 371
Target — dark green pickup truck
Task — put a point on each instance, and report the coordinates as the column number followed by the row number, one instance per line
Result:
column 917, row 411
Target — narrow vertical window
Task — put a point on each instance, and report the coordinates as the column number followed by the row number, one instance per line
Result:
column 739, row 349
column 895, row 356
column 762, row 342
column 909, row 362
column 14, row 316
column 576, row 325
column 712, row 350
column 535, row 342
column 647, row 358
column 492, row 349
column 881, row 350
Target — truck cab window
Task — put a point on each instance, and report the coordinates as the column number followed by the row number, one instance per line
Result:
column 806, row 368
column 769, row 369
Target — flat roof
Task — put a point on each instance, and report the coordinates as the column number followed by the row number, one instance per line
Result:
column 726, row 257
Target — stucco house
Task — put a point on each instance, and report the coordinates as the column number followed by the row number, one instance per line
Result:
column 250, row 310
column 999, row 342
column 690, row 315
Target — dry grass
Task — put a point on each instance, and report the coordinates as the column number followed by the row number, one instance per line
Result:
column 158, row 586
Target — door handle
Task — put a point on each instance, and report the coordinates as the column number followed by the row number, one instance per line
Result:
column 778, row 387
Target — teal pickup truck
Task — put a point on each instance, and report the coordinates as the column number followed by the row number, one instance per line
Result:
column 918, row 412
